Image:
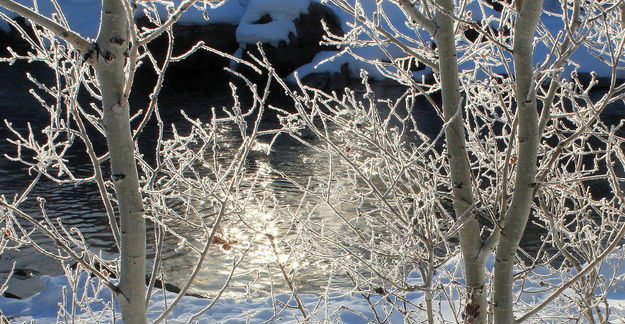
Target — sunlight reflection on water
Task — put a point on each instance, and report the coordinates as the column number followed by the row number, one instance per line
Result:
column 263, row 224
column 263, row 229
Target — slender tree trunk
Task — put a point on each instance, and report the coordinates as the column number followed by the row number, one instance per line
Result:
column 109, row 59
column 528, row 140
column 112, row 44
column 470, row 241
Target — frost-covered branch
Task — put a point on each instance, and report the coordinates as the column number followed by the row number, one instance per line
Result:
column 73, row 38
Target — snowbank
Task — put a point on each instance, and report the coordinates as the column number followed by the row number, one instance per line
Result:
column 333, row 307
column 247, row 13
column 581, row 60
column 81, row 15
column 48, row 306
column 363, row 57
column 282, row 14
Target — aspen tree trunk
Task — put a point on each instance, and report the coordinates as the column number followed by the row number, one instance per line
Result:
column 528, row 140
column 109, row 59
column 112, row 46
column 470, row 240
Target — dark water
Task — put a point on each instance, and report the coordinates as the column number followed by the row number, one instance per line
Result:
column 80, row 206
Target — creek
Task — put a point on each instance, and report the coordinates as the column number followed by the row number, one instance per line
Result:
column 80, row 205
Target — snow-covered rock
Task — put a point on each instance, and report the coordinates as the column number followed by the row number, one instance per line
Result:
column 302, row 45
column 280, row 25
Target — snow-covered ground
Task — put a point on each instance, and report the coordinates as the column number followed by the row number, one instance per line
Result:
column 44, row 307
column 51, row 304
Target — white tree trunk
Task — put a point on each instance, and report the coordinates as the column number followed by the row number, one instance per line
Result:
column 528, row 140
column 109, row 61
column 112, row 46
column 470, row 241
